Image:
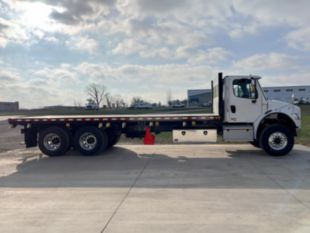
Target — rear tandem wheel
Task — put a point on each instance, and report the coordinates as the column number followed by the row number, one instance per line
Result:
column 90, row 140
column 54, row 141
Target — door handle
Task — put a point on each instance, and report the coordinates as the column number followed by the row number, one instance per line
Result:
column 233, row 108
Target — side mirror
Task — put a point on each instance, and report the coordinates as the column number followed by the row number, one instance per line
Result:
column 253, row 89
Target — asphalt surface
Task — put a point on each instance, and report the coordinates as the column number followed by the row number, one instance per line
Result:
column 162, row 188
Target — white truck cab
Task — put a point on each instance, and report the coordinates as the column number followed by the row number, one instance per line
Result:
column 249, row 116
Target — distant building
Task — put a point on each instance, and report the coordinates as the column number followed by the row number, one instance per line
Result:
column 287, row 93
column 200, row 97
column 9, row 106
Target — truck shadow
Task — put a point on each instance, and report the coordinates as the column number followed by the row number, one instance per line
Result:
column 120, row 167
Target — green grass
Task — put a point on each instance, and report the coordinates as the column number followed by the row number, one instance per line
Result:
column 304, row 137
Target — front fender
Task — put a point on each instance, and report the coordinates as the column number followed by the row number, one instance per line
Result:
column 276, row 118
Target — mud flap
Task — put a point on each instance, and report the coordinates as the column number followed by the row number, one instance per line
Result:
column 30, row 137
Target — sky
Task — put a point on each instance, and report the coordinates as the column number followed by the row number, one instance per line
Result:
column 50, row 50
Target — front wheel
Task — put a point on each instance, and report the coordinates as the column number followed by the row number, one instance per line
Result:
column 277, row 140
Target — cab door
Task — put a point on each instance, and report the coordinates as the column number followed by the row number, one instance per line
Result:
column 244, row 103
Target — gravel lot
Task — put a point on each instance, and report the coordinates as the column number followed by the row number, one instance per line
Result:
column 162, row 188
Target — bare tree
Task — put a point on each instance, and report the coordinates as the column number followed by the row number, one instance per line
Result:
column 96, row 92
column 169, row 97
column 119, row 101
column 109, row 100
column 136, row 100
column 77, row 103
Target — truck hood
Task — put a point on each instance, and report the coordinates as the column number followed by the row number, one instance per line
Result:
column 276, row 105
column 290, row 110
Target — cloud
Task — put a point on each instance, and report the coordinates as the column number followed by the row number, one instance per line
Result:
column 161, row 6
column 181, row 23
column 64, row 17
column 240, row 30
column 299, row 39
column 198, row 56
column 28, row 22
column 272, row 14
column 10, row 31
column 46, row 86
column 270, row 61
column 3, row 42
column 83, row 44
column 55, row 75
column 191, row 53
column 72, row 12
column 7, row 76
column 78, row 11
column 3, row 25
column 276, row 12
column 51, row 39
column 300, row 77
column 149, row 37
column 129, row 46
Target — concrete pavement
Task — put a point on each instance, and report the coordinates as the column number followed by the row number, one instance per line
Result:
column 10, row 138
column 164, row 188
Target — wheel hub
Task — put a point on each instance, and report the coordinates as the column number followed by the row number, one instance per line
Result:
column 278, row 141
column 88, row 141
column 52, row 142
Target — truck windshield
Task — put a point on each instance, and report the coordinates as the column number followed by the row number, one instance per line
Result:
column 261, row 89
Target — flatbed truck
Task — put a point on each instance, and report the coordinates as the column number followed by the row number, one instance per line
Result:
column 240, row 113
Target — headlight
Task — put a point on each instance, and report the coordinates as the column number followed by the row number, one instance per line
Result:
column 296, row 116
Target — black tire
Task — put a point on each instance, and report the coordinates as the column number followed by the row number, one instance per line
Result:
column 255, row 144
column 113, row 140
column 90, row 140
column 54, row 141
column 277, row 140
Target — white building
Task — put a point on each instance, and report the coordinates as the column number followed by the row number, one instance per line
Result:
column 286, row 93
column 199, row 97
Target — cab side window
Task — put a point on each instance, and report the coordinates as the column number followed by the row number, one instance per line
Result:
column 244, row 88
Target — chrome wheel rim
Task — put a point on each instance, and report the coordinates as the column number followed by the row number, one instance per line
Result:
column 278, row 141
column 88, row 141
column 52, row 142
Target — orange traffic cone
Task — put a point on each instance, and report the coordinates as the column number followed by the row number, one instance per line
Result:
column 149, row 138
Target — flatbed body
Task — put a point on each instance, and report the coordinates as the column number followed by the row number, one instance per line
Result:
column 114, row 118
